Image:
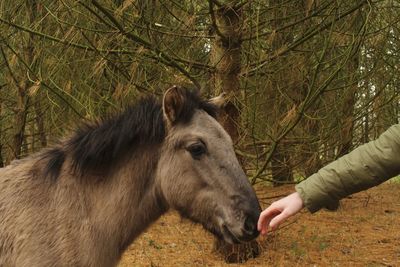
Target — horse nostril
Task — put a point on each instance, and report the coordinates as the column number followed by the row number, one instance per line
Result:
column 250, row 225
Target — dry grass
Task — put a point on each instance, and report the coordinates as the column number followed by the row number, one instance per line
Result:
column 365, row 231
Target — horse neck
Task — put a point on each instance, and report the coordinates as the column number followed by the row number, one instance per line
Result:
column 130, row 200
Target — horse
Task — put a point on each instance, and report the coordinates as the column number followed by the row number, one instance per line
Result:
column 85, row 199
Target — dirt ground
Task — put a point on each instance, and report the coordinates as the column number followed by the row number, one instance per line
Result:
column 365, row 231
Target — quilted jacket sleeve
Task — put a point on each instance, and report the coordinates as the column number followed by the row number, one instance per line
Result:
column 364, row 167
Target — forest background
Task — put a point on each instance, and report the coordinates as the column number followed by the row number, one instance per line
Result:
column 307, row 81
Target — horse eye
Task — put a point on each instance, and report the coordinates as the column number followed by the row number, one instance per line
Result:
column 197, row 150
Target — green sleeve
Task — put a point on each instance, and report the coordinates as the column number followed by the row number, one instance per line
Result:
column 364, row 167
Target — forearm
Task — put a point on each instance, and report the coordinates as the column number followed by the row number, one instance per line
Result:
column 366, row 166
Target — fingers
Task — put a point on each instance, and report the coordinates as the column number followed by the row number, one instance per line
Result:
column 276, row 221
column 265, row 218
column 278, row 212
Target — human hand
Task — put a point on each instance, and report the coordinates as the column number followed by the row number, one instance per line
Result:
column 278, row 212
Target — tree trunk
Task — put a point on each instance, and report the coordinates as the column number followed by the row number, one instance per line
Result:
column 1, row 138
column 313, row 160
column 1, row 155
column 225, row 56
column 20, row 114
column 39, row 119
column 347, row 122
column 21, row 110
column 281, row 171
column 349, row 95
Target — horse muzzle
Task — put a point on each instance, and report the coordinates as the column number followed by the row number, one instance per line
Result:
column 242, row 231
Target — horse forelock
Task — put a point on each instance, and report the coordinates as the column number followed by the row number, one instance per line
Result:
column 97, row 146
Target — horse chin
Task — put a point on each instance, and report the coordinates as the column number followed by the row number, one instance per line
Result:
column 229, row 236
column 207, row 224
column 219, row 229
column 232, row 235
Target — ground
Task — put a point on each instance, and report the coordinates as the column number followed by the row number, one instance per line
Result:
column 365, row 231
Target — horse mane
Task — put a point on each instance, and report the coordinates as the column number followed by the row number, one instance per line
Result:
column 96, row 146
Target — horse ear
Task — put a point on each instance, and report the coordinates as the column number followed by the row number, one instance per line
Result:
column 219, row 101
column 173, row 102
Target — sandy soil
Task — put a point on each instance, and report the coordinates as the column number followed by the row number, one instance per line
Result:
column 365, row 231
